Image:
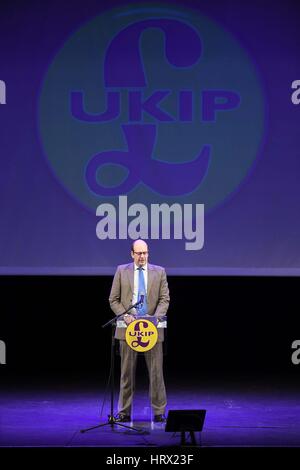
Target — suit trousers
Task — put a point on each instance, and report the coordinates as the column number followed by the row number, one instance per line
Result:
column 157, row 390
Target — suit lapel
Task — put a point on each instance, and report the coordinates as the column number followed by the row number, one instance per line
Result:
column 130, row 274
column 151, row 275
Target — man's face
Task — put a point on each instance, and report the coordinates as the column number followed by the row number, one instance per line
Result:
column 140, row 253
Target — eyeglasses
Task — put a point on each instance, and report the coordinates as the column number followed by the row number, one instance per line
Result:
column 140, row 253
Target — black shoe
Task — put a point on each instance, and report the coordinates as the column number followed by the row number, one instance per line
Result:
column 122, row 418
column 160, row 419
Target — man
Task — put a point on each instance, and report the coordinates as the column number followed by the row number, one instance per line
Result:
column 131, row 281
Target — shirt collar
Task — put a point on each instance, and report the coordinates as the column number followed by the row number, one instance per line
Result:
column 145, row 267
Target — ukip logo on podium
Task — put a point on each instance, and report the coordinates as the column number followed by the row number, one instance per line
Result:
column 141, row 335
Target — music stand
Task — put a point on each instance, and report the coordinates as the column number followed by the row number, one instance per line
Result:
column 186, row 421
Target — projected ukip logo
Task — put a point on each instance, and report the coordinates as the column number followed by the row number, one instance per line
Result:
column 140, row 137
column 158, row 104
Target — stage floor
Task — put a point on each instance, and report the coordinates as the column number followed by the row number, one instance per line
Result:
column 248, row 415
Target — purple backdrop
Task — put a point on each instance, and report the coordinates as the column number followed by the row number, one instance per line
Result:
column 184, row 103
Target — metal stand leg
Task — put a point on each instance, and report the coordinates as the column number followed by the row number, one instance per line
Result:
column 111, row 419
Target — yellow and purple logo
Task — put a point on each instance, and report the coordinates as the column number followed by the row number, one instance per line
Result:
column 141, row 335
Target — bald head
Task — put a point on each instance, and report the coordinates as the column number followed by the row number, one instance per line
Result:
column 139, row 252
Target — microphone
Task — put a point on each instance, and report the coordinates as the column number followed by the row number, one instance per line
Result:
column 142, row 300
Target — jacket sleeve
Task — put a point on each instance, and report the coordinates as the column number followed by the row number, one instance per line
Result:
column 164, row 296
column 115, row 294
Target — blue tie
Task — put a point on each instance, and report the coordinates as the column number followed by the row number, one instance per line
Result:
column 142, row 309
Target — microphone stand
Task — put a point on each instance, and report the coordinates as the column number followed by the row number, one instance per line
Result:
column 111, row 419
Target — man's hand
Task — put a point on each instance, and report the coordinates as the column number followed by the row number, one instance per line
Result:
column 128, row 319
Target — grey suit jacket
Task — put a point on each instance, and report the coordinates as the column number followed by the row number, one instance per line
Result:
column 121, row 293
